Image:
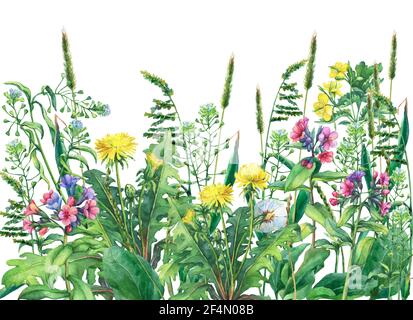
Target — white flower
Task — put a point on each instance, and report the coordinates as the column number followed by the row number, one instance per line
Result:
column 272, row 215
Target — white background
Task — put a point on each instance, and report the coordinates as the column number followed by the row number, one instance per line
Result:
column 188, row 43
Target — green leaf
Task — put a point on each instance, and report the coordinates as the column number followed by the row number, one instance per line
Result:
column 267, row 247
column 320, row 293
column 402, row 142
column 24, row 271
column 81, row 290
column 315, row 214
column 280, row 185
column 7, row 290
column 363, row 250
column 327, row 176
column 238, row 233
column 347, row 213
column 285, row 161
column 39, row 167
column 87, row 149
column 366, row 166
column 38, row 292
column 299, row 207
column 313, row 261
column 372, row 226
column 130, row 276
column 336, row 232
column 233, row 165
column 52, row 96
column 60, row 152
column 34, row 126
column 297, row 177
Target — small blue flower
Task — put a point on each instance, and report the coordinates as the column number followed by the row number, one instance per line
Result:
column 52, row 200
column 88, row 194
column 307, row 140
column 14, row 94
column 356, row 176
column 77, row 124
column 69, row 183
column 106, row 110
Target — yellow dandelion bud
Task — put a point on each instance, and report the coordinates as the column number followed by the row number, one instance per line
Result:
column 189, row 216
column 252, row 175
column 153, row 160
column 116, row 147
column 216, row 195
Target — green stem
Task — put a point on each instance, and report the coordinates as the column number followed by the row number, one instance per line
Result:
column 350, row 258
column 224, row 231
column 290, row 259
column 66, row 267
column 221, row 124
column 251, row 226
column 122, row 204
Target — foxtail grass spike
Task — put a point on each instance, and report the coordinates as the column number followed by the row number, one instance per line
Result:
column 228, row 83
column 70, row 75
column 260, row 120
column 370, row 115
column 376, row 78
column 309, row 74
column 393, row 57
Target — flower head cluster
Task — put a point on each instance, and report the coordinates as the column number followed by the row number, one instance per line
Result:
column 352, row 186
column 252, row 176
column 379, row 190
column 323, row 107
column 216, row 195
column 116, row 148
column 350, row 189
column 80, row 204
column 319, row 145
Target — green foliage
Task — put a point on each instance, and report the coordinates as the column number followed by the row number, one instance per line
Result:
column 130, row 276
column 163, row 112
column 286, row 101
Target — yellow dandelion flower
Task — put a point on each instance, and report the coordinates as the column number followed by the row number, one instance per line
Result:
column 153, row 160
column 322, row 108
column 338, row 71
column 333, row 87
column 116, row 147
column 189, row 216
column 252, row 175
column 216, row 195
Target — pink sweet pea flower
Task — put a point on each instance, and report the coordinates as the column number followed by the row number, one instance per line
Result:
column 384, row 208
column 384, row 179
column 325, row 157
column 71, row 201
column 68, row 215
column 347, row 188
column 385, row 192
column 46, row 196
column 31, row 209
column 299, row 129
column 43, row 231
column 327, row 138
column 27, row 225
column 90, row 210
column 334, row 201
